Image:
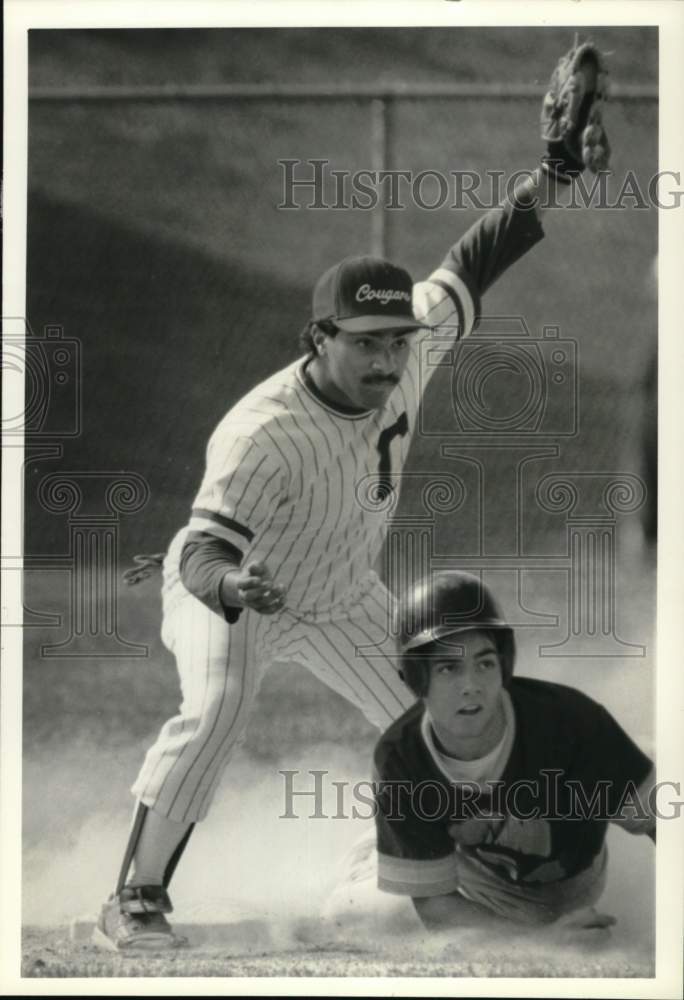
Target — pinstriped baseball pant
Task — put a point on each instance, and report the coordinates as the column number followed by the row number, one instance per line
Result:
column 221, row 667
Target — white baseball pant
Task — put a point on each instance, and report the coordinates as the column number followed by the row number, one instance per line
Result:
column 221, row 667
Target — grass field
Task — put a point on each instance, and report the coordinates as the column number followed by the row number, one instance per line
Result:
column 159, row 247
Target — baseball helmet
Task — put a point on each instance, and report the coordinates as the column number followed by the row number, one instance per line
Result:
column 438, row 607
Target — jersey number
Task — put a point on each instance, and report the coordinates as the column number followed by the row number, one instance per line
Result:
column 384, row 442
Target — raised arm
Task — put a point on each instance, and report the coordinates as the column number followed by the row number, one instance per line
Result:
column 450, row 298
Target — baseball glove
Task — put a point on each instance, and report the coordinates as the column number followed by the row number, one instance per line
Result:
column 571, row 122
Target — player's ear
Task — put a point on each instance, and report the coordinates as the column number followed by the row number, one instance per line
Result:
column 319, row 337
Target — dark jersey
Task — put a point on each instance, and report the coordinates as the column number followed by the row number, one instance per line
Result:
column 571, row 768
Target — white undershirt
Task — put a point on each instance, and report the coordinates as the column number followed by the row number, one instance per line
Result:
column 481, row 769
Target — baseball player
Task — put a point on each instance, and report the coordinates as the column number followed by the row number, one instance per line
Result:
column 276, row 562
column 494, row 792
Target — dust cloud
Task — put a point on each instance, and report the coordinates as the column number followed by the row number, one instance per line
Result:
column 247, row 862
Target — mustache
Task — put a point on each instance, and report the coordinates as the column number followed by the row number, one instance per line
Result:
column 380, row 380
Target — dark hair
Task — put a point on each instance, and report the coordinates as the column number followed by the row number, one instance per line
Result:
column 306, row 341
column 415, row 673
column 415, row 670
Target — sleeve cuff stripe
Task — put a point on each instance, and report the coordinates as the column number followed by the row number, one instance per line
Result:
column 461, row 295
column 418, row 889
column 224, row 522
column 411, row 877
column 211, row 528
column 462, row 331
column 429, row 306
column 415, row 870
column 199, row 537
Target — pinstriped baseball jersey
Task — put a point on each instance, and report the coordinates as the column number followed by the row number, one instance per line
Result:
column 290, row 479
column 298, row 483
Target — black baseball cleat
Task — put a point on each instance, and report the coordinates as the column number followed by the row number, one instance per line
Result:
column 134, row 921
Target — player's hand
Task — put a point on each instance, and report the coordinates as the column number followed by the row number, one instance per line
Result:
column 586, row 927
column 587, row 918
column 256, row 589
column 571, row 116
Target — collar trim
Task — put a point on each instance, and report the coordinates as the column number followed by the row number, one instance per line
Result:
column 339, row 409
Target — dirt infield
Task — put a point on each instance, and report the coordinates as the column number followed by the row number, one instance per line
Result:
column 49, row 954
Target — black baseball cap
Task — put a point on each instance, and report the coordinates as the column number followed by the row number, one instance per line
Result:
column 365, row 294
